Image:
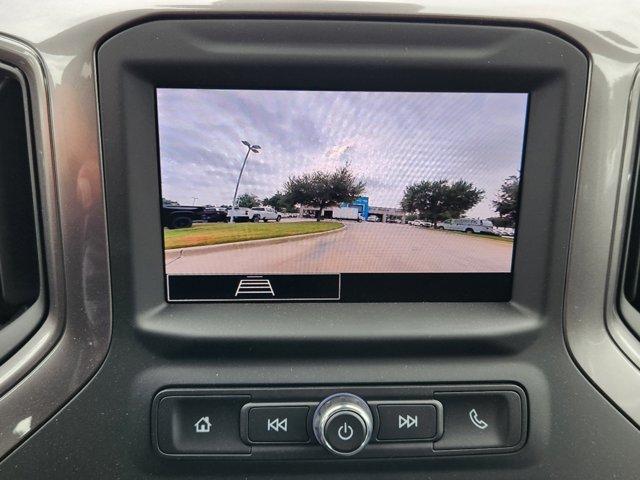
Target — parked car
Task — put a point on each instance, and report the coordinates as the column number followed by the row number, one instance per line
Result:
column 212, row 215
column 506, row 231
column 423, row 223
column 240, row 214
column 177, row 216
column 469, row 225
column 254, row 214
column 373, row 218
column 420, row 223
column 265, row 214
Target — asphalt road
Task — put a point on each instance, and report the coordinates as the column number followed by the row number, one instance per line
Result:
column 358, row 248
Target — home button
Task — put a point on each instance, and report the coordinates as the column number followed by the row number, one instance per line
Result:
column 200, row 424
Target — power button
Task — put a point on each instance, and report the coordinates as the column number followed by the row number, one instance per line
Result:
column 345, row 431
column 343, row 424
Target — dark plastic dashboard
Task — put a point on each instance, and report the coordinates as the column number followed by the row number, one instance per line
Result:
column 128, row 412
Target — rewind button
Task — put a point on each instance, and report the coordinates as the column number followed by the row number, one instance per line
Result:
column 277, row 424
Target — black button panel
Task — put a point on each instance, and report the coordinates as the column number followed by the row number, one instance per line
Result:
column 407, row 421
column 277, row 423
column 479, row 420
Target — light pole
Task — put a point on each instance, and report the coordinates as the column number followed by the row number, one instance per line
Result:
column 250, row 148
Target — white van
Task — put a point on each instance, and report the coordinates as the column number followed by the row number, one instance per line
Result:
column 469, row 225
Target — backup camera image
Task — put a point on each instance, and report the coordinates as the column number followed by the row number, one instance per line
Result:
column 343, row 196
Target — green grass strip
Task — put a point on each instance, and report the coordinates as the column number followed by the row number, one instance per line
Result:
column 219, row 233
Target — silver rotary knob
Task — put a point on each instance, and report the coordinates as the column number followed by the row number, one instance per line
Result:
column 343, row 424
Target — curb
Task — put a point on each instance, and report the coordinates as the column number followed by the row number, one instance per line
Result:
column 176, row 253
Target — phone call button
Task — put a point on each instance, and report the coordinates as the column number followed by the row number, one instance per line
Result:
column 479, row 420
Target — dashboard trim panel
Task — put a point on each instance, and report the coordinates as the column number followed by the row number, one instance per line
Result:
column 75, row 334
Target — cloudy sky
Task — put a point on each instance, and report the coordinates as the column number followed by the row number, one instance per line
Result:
column 390, row 139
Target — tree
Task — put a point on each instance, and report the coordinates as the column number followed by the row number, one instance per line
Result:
column 324, row 189
column 280, row 202
column 248, row 200
column 506, row 203
column 438, row 200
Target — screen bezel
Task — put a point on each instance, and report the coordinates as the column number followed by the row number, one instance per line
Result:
column 339, row 54
column 354, row 287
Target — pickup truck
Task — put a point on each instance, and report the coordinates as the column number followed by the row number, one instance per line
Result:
column 254, row 214
column 265, row 214
column 178, row 216
column 468, row 225
column 212, row 215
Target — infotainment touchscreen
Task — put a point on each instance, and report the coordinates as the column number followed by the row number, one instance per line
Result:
column 339, row 196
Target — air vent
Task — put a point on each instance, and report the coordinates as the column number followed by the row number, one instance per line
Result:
column 19, row 260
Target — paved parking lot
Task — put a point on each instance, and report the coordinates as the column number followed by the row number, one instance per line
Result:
column 359, row 247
